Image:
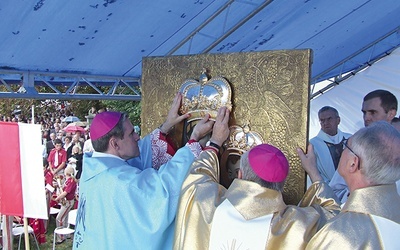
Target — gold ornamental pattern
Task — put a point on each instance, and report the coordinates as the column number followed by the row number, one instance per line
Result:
column 270, row 93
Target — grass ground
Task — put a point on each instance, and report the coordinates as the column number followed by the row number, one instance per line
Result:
column 67, row 245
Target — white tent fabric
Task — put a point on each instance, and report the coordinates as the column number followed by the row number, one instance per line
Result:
column 347, row 97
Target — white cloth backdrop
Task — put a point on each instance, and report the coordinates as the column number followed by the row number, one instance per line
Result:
column 347, row 97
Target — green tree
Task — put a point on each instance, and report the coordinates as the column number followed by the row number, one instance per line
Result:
column 80, row 108
column 132, row 108
column 8, row 108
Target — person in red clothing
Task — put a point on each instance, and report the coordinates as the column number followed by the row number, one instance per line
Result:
column 57, row 159
column 39, row 228
column 66, row 198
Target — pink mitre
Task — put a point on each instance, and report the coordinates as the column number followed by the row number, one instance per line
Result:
column 269, row 163
column 103, row 123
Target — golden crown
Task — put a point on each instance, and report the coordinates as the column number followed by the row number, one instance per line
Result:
column 241, row 139
column 205, row 96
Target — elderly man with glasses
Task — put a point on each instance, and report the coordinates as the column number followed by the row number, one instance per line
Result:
column 370, row 219
column 378, row 105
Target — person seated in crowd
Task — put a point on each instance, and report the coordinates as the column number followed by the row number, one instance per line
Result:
column 129, row 187
column 66, row 198
column 370, row 218
column 251, row 213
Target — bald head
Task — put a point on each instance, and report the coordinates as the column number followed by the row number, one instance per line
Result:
column 378, row 147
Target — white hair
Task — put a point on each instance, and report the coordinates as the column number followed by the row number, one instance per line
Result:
column 378, row 147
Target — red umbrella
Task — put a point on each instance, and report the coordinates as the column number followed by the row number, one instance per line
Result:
column 73, row 128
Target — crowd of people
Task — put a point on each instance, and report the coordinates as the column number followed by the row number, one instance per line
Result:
column 63, row 161
column 62, row 166
column 137, row 193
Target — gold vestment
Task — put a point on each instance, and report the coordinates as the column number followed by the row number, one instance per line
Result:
column 353, row 228
column 291, row 226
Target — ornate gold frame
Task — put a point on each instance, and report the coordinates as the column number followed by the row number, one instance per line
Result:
column 270, row 94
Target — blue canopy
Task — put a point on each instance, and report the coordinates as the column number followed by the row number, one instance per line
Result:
column 110, row 37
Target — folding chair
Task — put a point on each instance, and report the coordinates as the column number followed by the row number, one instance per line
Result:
column 18, row 230
column 66, row 230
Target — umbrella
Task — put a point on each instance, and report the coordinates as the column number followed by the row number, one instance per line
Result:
column 73, row 128
column 70, row 119
column 80, row 124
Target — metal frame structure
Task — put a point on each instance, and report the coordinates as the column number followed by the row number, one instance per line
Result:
column 368, row 51
column 67, row 86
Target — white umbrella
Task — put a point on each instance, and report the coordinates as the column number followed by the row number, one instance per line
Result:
column 70, row 119
column 81, row 124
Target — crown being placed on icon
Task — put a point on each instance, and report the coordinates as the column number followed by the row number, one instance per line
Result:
column 205, row 96
column 241, row 139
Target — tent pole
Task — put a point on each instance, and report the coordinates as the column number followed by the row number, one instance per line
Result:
column 33, row 114
column 27, row 247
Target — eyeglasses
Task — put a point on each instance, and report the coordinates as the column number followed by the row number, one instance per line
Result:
column 345, row 143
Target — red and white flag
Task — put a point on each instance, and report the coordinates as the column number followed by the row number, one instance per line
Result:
column 22, row 189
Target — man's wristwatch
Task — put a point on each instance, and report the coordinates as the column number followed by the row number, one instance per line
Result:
column 212, row 144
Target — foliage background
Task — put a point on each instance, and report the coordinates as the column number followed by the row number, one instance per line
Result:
column 78, row 108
